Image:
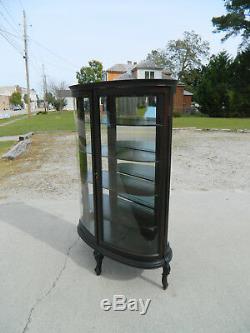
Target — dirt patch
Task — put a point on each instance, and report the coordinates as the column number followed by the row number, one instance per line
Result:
column 43, row 170
column 201, row 161
column 211, row 160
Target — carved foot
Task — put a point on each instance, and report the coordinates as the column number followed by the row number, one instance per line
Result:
column 166, row 271
column 166, row 267
column 98, row 258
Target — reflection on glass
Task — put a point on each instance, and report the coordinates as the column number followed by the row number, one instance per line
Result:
column 128, row 173
column 134, row 111
column 85, row 158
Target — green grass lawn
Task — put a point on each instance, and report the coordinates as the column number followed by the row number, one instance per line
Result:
column 53, row 121
column 5, row 146
column 6, row 120
column 64, row 121
column 204, row 122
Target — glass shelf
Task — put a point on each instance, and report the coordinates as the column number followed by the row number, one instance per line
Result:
column 132, row 122
column 127, row 154
column 147, row 201
column 137, row 170
column 127, row 184
column 131, row 215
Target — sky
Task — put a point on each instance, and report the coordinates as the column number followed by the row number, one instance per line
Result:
column 65, row 35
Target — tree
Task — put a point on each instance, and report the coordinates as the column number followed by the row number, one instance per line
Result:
column 16, row 98
column 49, row 97
column 25, row 98
column 182, row 55
column 236, row 21
column 159, row 57
column 58, row 95
column 240, row 85
column 191, row 79
column 91, row 73
column 213, row 90
column 187, row 53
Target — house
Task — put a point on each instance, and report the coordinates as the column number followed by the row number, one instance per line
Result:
column 149, row 70
column 4, row 102
column 70, row 101
column 117, row 70
column 7, row 91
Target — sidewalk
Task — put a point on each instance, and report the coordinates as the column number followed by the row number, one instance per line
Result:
column 12, row 121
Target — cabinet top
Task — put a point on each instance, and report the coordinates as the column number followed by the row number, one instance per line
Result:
column 115, row 87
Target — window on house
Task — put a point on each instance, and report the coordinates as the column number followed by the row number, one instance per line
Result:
column 146, row 75
column 152, row 75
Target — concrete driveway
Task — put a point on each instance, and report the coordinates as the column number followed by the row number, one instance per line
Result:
column 47, row 274
column 48, row 282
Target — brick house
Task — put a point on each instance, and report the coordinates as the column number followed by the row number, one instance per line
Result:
column 148, row 70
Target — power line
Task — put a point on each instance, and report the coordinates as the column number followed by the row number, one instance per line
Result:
column 8, row 22
column 35, row 64
column 9, row 37
column 11, row 43
column 53, row 53
column 46, row 49
column 11, row 34
column 10, row 16
column 21, row 4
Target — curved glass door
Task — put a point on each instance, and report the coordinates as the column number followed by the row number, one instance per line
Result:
column 128, row 136
column 85, row 159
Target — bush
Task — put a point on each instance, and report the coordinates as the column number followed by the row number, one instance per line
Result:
column 177, row 114
column 59, row 104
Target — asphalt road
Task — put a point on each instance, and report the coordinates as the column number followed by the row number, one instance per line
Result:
column 10, row 113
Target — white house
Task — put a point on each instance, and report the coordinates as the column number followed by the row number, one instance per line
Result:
column 70, row 101
column 7, row 91
column 142, row 70
column 147, row 70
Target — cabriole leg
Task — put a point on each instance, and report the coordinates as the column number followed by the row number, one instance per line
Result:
column 166, row 271
column 166, row 266
column 98, row 258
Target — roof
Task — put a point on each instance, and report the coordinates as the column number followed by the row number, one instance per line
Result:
column 64, row 93
column 147, row 64
column 8, row 90
column 122, row 68
column 126, row 76
column 187, row 93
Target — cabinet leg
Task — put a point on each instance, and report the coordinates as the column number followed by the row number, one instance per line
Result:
column 98, row 258
column 166, row 267
column 166, row 271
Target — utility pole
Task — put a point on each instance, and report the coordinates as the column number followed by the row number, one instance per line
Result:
column 26, row 58
column 45, row 91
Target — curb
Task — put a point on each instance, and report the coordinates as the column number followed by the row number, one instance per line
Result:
column 211, row 129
